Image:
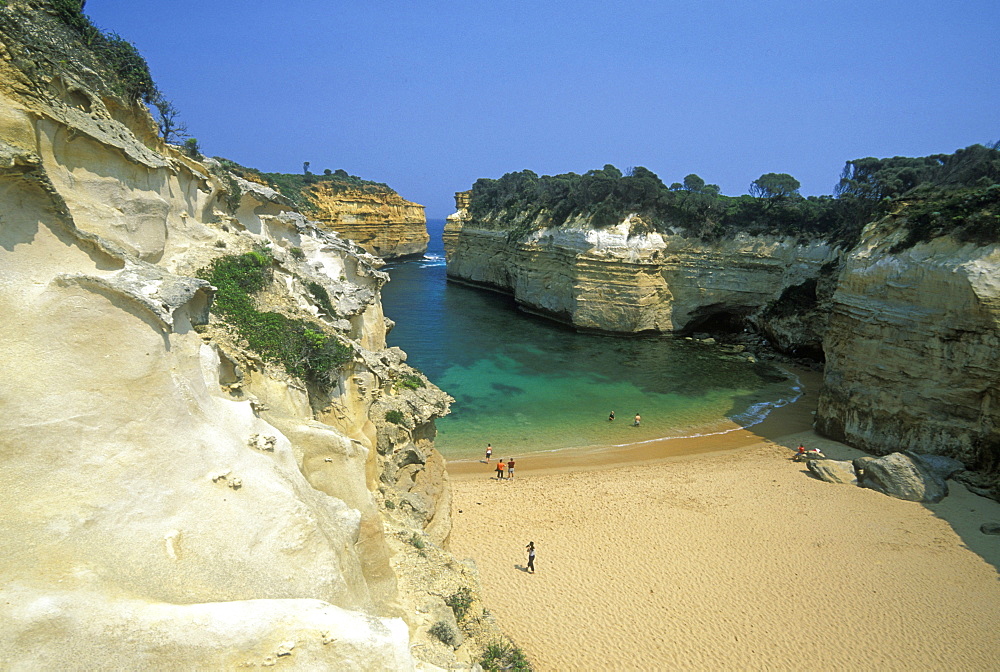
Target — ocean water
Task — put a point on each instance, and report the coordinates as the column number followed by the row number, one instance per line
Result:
column 526, row 384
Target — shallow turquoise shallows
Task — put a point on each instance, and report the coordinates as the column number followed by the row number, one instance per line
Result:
column 525, row 384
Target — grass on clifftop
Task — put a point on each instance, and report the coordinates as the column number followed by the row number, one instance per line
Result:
column 300, row 346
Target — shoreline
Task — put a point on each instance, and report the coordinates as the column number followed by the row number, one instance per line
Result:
column 719, row 552
column 794, row 417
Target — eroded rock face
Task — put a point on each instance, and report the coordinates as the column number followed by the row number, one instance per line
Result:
column 912, row 350
column 158, row 480
column 618, row 281
column 380, row 221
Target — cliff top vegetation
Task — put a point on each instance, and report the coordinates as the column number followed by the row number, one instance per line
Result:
column 295, row 186
column 869, row 188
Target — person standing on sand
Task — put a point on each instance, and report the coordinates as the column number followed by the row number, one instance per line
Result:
column 489, row 452
column 500, row 466
column 510, row 467
column 611, row 418
column 531, row 556
column 637, row 420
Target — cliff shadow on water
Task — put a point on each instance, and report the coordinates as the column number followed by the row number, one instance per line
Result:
column 527, row 384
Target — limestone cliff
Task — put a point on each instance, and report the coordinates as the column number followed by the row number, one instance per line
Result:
column 379, row 220
column 912, row 356
column 626, row 278
column 172, row 497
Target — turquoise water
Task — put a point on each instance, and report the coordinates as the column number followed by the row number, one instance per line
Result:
column 526, row 384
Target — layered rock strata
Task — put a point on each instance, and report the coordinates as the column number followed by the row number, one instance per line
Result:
column 617, row 280
column 913, row 349
column 168, row 497
column 380, row 221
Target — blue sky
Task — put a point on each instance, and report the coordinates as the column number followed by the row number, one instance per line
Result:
column 429, row 96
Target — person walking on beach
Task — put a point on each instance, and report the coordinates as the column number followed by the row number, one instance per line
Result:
column 489, row 452
column 611, row 418
column 638, row 419
column 531, row 556
column 510, row 467
column 500, row 466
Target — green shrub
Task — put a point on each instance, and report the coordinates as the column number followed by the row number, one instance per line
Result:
column 389, row 504
column 971, row 215
column 410, row 382
column 297, row 253
column 445, row 633
column 192, row 148
column 132, row 77
column 395, row 417
column 417, row 541
column 300, row 346
column 504, row 656
column 460, row 603
column 321, row 297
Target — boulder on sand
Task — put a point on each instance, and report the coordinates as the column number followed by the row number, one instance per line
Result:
column 902, row 476
column 833, row 471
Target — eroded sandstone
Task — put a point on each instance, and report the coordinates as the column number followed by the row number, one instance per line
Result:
column 159, row 480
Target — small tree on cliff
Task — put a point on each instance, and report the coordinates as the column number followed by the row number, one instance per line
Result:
column 171, row 129
column 774, row 187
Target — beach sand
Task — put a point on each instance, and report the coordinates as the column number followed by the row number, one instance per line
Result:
column 665, row 556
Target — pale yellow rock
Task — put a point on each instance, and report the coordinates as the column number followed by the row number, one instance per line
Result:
column 167, row 499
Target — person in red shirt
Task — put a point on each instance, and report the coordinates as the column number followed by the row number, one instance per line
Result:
column 510, row 467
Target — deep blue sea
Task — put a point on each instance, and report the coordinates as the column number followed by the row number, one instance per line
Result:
column 526, row 384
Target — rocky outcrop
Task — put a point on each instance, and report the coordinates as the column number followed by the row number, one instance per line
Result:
column 379, row 220
column 901, row 476
column 170, row 497
column 618, row 279
column 912, row 350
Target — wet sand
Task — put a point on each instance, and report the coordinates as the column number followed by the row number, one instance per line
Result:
column 720, row 553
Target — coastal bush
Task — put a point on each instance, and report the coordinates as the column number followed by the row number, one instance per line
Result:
column 460, row 603
column 297, row 253
column 410, row 382
column 416, row 541
column 192, row 148
column 395, row 417
column 299, row 346
column 445, row 633
column 521, row 202
column 970, row 215
column 127, row 70
column 320, row 296
column 504, row 656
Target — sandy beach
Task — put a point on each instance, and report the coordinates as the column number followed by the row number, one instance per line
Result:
column 721, row 553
